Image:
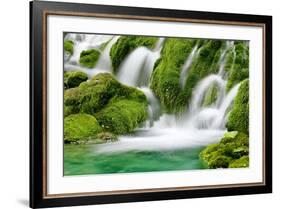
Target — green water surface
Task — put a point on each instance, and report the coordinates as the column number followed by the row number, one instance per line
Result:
column 82, row 160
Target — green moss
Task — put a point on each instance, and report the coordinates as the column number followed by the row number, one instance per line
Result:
column 232, row 147
column 118, row 108
column 210, row 96
column 219, row 161
column 89, row 58
column 242, row 162
column 68, row 46
column 238, row 118
column 92, row 96
column 238, row 66
column 122, row 116
column 166, row 75
column 73, row 78
column 125, row 45
column 80, row 128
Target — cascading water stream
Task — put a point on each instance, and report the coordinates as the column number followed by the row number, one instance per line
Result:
column 193, row 54
column 136, row 69
column 222, row 60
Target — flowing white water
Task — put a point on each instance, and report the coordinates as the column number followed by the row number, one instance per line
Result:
column 85, row 42
column 154, row 109
column 104, row 62
column 136, row 69
column 193, row 54
column 222, row 60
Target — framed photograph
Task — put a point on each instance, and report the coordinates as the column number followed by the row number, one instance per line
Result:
column 140, row 104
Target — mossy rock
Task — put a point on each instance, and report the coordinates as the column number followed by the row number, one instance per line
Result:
column 68, row 46
column 73, row 78
column 233, row 146
column 127, row 44
column 118, row 108
column 166, row 74
column 242, row 162
column 80, row 128
column 121, row 116
column 237, row 66
column 89, row 58
column 219, row 161
column 238, row 118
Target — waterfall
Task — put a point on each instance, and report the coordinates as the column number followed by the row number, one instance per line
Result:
column 222, row 60
column 104, row 62
column 193, row 54
column 199, row 126
column 154, row 109
column 84, row 42
column 220, row 119
column 136, row 69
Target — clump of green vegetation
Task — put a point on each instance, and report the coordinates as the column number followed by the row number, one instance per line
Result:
column 73, row 78
column 166, row 74
column 237, row 64
column 232, row 151
column 68, row 46
column 80, row 128
column 89, row 58
column 126, row 44
column 121, row 116
column 118, row 108
column 238, row 118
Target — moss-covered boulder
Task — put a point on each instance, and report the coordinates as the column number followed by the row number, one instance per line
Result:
column 68, row 47
column 242, row 162
column 231, row 151
column 89, row 58
column 118, row 108
column 126, row 44
column 237, row 64
column 80, row 128
column 238, row 118
column 166, row 75
column 73, row 78
column 122, row 115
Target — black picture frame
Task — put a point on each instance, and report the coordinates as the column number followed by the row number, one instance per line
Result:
column 39, row 10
